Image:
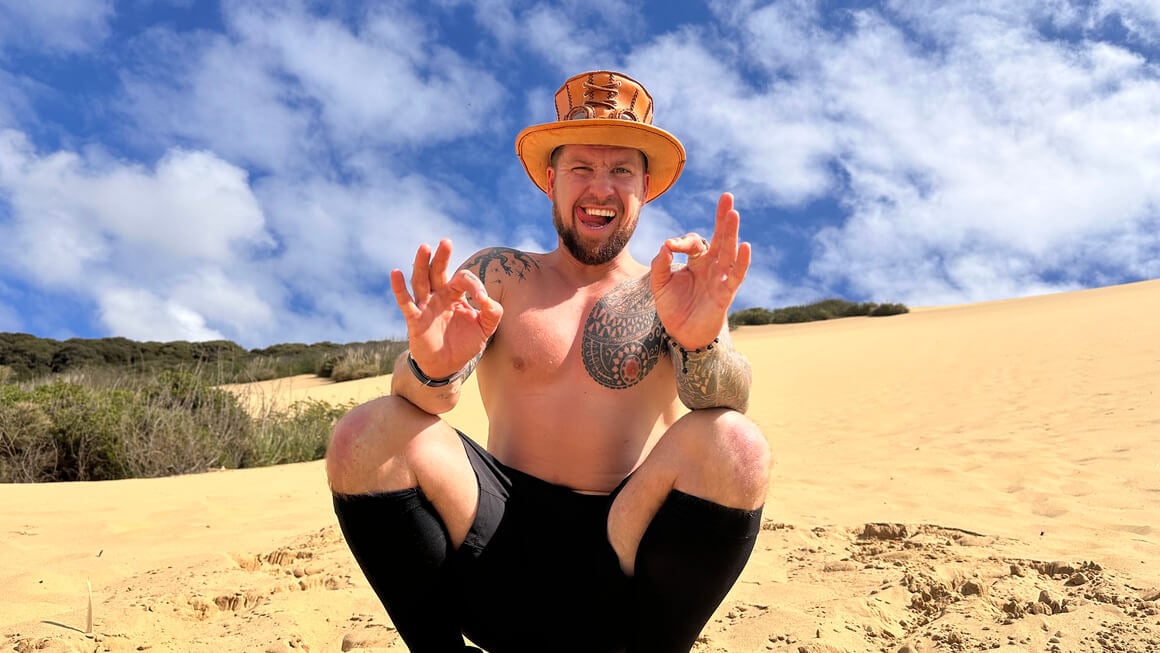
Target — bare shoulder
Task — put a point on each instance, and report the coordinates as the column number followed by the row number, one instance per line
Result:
column 499, row 267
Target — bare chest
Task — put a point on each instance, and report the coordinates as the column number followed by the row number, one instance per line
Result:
column 613, row 340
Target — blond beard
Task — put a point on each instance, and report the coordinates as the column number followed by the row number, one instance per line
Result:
column 601, row 253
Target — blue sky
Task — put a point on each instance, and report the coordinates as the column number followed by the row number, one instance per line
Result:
column 252, row 170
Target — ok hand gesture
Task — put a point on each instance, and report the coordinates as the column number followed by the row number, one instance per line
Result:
column 693, row 302
column 448, row 321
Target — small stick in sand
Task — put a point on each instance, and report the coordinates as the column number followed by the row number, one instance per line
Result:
column 89, row 620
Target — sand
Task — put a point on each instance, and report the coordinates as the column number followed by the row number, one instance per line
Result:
column 958, row 478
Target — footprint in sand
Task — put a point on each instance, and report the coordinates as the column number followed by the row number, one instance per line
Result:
column 52, row 645
column 281, row 557
column 368, row 639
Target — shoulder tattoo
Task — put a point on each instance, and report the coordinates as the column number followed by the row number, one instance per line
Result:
column 622, row 337
column 511, row 262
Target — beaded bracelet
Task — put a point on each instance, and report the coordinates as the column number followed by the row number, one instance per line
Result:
column 685, row 352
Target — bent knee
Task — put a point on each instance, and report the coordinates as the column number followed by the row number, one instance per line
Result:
column 743, row 435
column 745, row 451
column 368, row 437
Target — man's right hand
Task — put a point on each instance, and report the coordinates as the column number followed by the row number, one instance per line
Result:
column 448, row 321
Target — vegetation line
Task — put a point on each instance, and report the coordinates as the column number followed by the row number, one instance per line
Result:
column 112, row 408
column 827, row 309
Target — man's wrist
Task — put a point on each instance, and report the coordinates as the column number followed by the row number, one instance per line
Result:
column 682, row 354
column 426, row 380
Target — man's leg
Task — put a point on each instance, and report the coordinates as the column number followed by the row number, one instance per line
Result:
column 405, row 496
column 685, row 523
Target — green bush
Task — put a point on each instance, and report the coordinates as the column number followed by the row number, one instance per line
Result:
column 363, row 362
column 162, row 441
column 97, row 409
column 299, row 434
column 27, row 451
column 326, row 367
column 30, row 357
column 883, row 310
column 105, row 426
column 751, row 316
column 826, row 309
column 195, row 425
column 86, row 429
column 356, row 365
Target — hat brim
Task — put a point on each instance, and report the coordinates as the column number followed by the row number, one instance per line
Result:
column 666, row 155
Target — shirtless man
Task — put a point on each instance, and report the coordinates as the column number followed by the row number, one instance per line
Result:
column 620, row 493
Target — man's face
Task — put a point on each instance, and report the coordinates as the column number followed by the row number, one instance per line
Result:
column 597, row 192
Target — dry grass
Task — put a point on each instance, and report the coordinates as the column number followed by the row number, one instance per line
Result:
column 105, row 426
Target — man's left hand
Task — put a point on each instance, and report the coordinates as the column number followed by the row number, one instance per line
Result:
column 693, row 301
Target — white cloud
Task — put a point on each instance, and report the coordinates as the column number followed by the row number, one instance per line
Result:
column 654, row 227
column 1140, row 17
column 333, row 231
column 497, row 17
column 240, row 304
column 290, row 92
column 319, row 108
column 56, row 26
column 339, row 242
column 561, row 42
column 128, row 237
column 571, row 36
column 974, row 162
column 186, row 250
column 381, row 84
column 14, row 100
column 141, row 315
column 764, row 288
column 772, row 146
column 191, row 206
column 223, row 96
column 1001, row 157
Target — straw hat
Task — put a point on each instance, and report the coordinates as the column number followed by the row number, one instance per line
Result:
column 603, row 108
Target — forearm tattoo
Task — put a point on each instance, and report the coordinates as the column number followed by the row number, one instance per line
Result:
column 712, row 378
column 470, row 367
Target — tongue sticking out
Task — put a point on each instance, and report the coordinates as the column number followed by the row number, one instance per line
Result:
column 595, row 217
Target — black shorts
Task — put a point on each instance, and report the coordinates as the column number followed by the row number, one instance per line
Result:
column 536, row 571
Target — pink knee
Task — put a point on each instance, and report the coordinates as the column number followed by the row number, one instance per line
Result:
column 726, row 458
column 368, row 446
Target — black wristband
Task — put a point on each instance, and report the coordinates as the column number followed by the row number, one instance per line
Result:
column 423, row 378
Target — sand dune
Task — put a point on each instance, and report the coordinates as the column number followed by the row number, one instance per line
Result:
column 959, row 478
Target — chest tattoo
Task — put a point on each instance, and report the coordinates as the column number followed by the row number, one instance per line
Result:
column 622, row 337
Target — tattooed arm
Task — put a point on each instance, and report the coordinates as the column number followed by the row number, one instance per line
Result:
column 450, row 322
column 712, row 378
column 692, row 303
